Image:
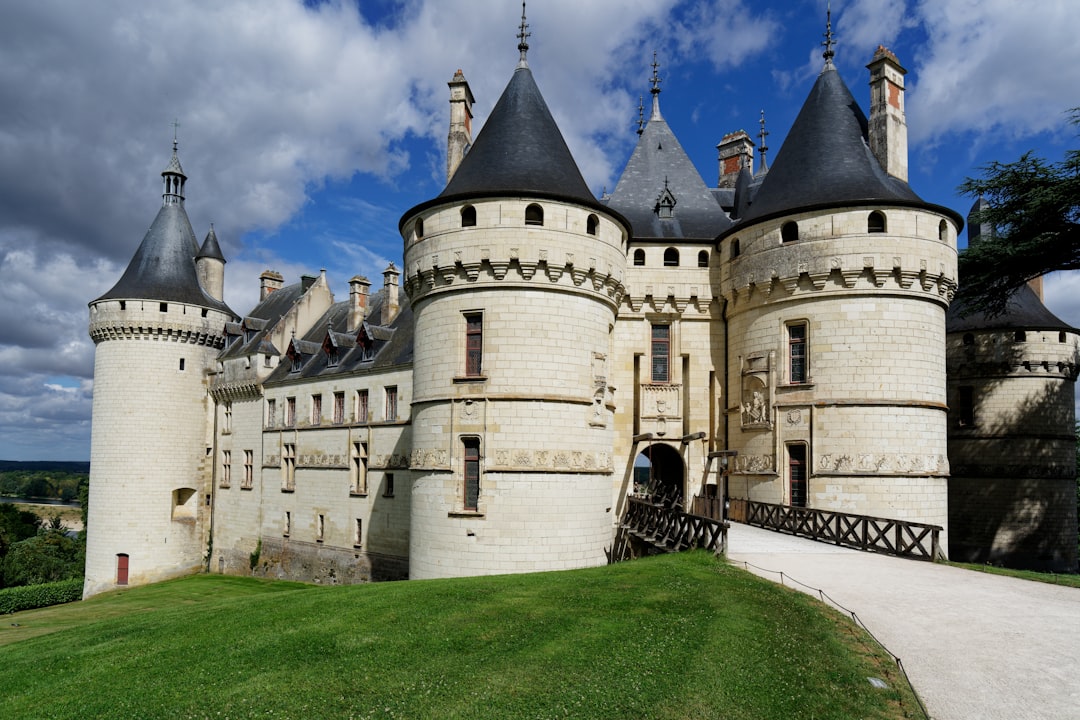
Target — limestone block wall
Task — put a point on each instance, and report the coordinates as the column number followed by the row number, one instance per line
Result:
column 150, row 468
column 540, row 407
column 1012, row 448
column 237, row 517
column 868, row 419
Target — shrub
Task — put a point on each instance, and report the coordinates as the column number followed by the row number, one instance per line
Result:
column 29, row 597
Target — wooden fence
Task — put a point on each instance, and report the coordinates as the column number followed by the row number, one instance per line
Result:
column 862, row 532
column 670, row 529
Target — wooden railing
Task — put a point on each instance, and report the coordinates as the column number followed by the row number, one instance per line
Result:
column 862, row 532
column 670, row 529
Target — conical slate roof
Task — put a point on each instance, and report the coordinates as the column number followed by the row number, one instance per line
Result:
column 659, row 162
column 1024, row 311
column 826, row 159
column 210, row 247
column 520, row 151
column 163, row 267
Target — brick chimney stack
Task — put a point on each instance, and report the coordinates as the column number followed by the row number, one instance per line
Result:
column 460, row 138
column 390, row 302
column 736, row 151
column 887, row 124
column 359, row 287
column 269, row 281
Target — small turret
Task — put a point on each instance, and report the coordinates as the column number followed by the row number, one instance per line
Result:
column 210, row 265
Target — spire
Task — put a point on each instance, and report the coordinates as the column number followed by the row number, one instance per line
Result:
column 655, row 90
column 640, row 114
column 173, row 176
column 523, row 39
column 762, row 147
column 828, row 54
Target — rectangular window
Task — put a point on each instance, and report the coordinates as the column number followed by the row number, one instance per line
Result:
column 226, row 468
column 226, row 423
column 271, row 413
column 661, row 353
column 249, row 468
column 287, row 525
column 316, row 409
column 391, row 403
column 965, row 411
column 796, row 333
column 320, row 527
column 288, row 467
column 797, row 473
column 361, row 406
column 339, row 408
column 472, row 471
column 358, row 469
column 474, row 344
column 290, row 412
column 388, row 487
column 358, row 533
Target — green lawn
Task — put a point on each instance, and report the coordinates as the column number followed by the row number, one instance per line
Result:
column 675, row 636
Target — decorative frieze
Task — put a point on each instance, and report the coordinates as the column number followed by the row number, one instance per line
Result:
column 882, row 463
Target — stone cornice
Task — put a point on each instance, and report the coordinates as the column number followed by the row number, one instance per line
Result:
column 177, row 332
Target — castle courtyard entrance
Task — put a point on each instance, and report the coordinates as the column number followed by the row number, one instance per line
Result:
column 659, row 471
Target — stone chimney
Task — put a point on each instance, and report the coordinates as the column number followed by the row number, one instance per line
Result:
column 269, row 281
column 736, row 151
column 460, row 138
column 390, row 302
column 887, row 125
column 359, row 287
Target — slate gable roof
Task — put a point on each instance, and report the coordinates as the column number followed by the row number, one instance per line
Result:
column 262, row 319
column 1024, row 311
column 658, row 163
column 163, row 268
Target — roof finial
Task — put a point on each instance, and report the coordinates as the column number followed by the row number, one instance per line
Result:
column 175, row 127
column 640, row 114
column 523, row 37
column 828, row 54
column 655, row 80
column 763, row 148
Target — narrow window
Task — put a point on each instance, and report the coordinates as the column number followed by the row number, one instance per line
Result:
column 339, row 408
column 875, row 223
column 287, row 525
column 181, row 364
column 468, row 216
column 288, row 467
column 358, row 469
column 474, row 344
column 121, row 568
column 226, row 421
column 388, row 485
column 205, row 312
column 661, row 353
column 734, row 248
column 271, row 413
column 965, row 401
column 320, row 527
column 1020, row 336
column 671, row 257
column 226, row 468
column 361, row 406
column 163, row 307
column 639, row 257
column 534, row 215
column 797, row 473
column 797, row 352
column 249, row 468
column 1061, row 336
column 703, row 258
column 591, row 224
column 472, row 471
column 789, row 232
column 943, row 231
column 391, row 403
column 316, row 409
column 418, row 228
column 290, row 412
column 358, row 533
column 123, row 304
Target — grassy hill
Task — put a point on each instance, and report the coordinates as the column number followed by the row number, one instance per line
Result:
column 677, row 636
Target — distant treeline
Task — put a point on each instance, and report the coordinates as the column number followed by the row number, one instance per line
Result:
column 70, row 466
column 51, row 484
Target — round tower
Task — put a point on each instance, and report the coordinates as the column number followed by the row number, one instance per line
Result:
column 514, row 275
column 837, row 287
column 156, row 333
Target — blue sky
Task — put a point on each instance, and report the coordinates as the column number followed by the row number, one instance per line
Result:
column 306, row 130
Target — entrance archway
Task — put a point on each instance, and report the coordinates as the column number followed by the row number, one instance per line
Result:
column 659, row 471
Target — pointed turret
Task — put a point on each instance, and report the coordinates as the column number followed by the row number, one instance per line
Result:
column 210, row 265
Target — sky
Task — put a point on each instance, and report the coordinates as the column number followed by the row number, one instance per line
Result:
column 307, row 130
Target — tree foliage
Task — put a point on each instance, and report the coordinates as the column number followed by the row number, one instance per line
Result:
column 1033, row 207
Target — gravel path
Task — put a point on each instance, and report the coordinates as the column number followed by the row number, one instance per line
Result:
column 974, row 645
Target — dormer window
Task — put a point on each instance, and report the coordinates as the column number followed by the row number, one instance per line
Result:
column 365, row 343
column 665, row 204
column 534, row 215
column 468, row 216
column 331, row 351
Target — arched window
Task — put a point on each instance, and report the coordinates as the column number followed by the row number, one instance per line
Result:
column 703, row 258
column 734, row 248
column 639, row 257
column 671, row 257
column 468, row 216
column 418, row 228
column 943, row 231
column 875, row 223
column 591, row 224
column 789, row 232
column 534, row 215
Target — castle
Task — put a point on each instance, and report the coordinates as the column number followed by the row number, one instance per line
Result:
column 484, row 411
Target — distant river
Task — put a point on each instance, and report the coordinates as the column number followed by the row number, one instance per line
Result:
column 39, row 501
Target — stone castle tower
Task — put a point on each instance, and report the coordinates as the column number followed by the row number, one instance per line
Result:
column 157, row 331
column 514, row 275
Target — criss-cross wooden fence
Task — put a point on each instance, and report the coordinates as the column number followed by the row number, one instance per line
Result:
column 667, row 528
column 862, row 532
